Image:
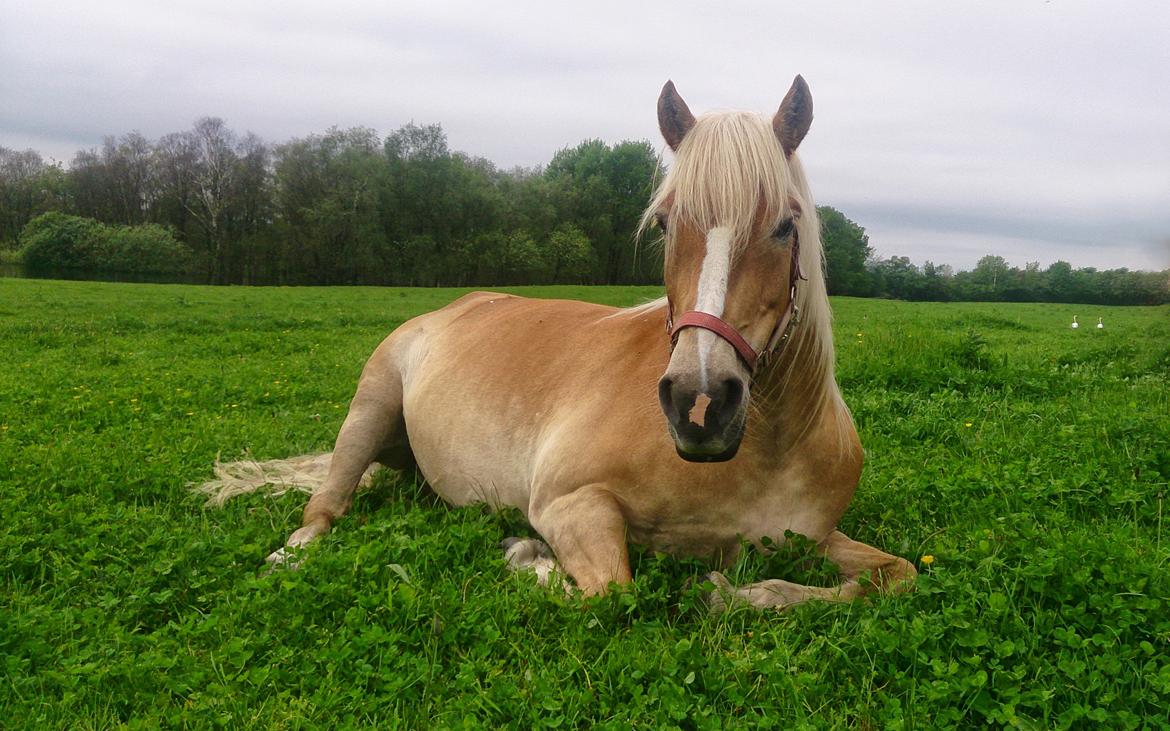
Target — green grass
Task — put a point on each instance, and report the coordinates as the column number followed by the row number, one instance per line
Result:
column 1029, row 460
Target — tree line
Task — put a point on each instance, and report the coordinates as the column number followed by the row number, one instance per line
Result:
column 348, row 207
column 854, row 270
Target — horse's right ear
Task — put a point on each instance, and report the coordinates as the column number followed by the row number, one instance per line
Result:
column 794, row 116
column 674, row 118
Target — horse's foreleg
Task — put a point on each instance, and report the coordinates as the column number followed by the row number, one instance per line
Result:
column 864, row 570
column 859, row 562
column 588, row 533
column 372, row 426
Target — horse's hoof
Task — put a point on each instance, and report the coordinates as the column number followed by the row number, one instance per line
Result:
column 718, row 599
column 532, row 554
column 524, row 552
column 281, row 558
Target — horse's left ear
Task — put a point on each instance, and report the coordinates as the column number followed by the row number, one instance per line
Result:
column 674, row 116
column 794, row 116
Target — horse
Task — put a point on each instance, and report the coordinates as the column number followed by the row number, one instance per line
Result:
column 689, row 425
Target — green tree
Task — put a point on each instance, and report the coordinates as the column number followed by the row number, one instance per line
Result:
column 327, row 205
column 515, row 258
column 601, row 190
column 935, row 283
column 1059, row 276
column 897, row 276
column 28, row 187
column 444, row 200
column 847, row 250
column 213, row 178
column 990, row 277
column 569, row 256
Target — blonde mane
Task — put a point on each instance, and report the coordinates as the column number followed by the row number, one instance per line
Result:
column 728, row 167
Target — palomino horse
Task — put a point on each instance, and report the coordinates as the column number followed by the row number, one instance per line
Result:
column 549, row 406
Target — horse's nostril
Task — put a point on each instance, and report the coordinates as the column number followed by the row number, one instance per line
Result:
column 666, row 394
column 730, row 397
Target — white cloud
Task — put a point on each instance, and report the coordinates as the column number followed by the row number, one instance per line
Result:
column 1035, row 126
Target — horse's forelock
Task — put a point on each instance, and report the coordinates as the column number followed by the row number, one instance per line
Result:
column 728, row 170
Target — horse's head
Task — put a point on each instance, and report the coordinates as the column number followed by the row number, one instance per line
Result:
column 730, row 209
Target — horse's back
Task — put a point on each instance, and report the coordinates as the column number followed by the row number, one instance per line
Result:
column 515, row 338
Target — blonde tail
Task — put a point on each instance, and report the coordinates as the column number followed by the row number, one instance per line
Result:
column 275, row 477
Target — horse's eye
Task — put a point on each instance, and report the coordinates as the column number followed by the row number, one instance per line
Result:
column 661, row 218
column 784, row 229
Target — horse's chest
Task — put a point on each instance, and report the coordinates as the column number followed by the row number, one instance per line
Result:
column 713, row 522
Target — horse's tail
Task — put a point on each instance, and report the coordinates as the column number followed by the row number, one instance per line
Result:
column 274, row 477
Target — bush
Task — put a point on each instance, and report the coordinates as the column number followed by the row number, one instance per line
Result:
column 60, row 241
column 146, row 248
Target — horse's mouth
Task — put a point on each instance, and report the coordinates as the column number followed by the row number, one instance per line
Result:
column 723, row 456
column 698, row 447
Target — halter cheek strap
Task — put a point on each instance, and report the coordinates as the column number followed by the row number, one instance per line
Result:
column 717, row 325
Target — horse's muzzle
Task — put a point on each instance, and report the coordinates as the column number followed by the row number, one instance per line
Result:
column 710, row 432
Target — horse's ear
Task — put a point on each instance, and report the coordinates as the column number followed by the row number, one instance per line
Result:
column 674, row 117
column 794, row 116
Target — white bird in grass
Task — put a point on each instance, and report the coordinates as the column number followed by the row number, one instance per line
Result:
column 1100, row 325
column 1075, row 324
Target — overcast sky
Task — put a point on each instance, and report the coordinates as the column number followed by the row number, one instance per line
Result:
column 1033, row 130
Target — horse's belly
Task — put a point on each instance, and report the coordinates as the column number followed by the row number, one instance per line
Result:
column 462, row 481
column 466, row 454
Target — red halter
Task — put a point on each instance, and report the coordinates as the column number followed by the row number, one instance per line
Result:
column 707, row 321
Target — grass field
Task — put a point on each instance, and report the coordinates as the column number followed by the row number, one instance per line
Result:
column 1021, row 465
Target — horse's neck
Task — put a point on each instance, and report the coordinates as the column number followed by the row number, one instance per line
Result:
column 790, row 394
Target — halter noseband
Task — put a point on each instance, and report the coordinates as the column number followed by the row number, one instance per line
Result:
column 717, row 325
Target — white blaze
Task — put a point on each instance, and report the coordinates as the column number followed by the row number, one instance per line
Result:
column 713, row 289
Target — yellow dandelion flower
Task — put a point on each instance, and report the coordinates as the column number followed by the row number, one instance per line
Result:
column 968, row 424
column 927, row 560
